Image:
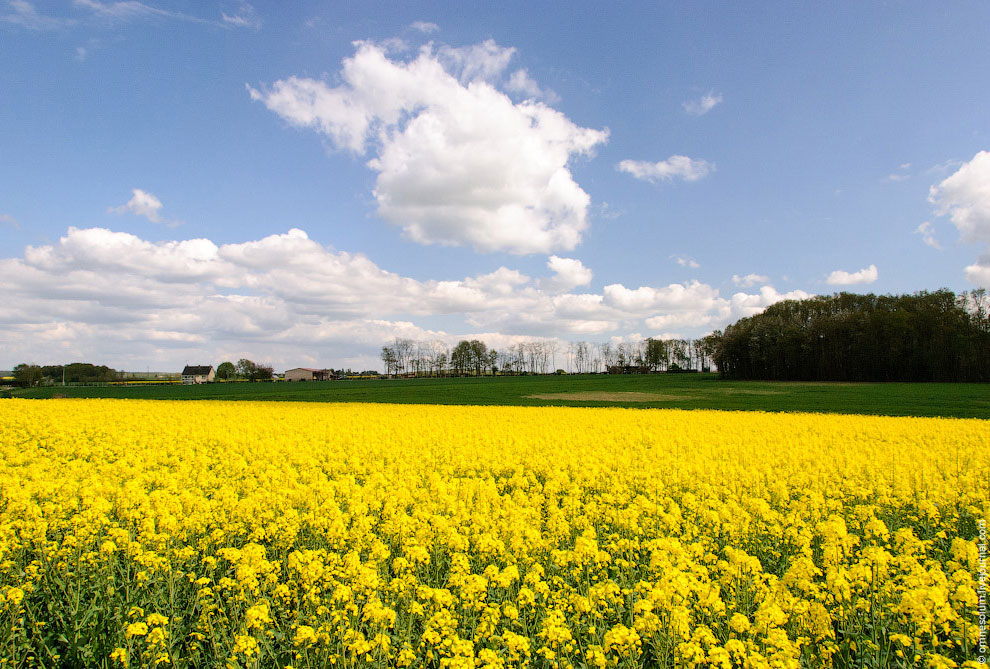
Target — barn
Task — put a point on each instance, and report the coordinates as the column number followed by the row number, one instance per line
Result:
column 308, row 374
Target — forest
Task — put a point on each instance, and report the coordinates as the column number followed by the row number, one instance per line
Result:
column 926, row 336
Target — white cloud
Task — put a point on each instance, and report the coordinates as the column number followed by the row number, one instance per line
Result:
column 675, row 167
column 245, row 17
column 743, row 304
column 10, row 220
column 927, row 232
column 689, row 296
column 749, row 280
column 116, row 298
column 900, row 175
column 458, row 162
column 130, row 10
column 843, row 278
column 703, row 105
column 520, row 82
column 24, row 14
column 943, row 167
column 965, row 198
column 979, row 272
column 693, row 319
column 485, row 61
column 568, row 273
column 425, row 27
column 141, row 203
column 686, row 261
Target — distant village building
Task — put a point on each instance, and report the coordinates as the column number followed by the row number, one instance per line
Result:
column 197, row 374
column 308, row 374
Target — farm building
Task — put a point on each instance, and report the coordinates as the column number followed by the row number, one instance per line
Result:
column 197, row 374
column 308, row 374
column 628, row 369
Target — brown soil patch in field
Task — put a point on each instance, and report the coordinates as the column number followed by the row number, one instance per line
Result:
column 596, row 396
column 742, row 391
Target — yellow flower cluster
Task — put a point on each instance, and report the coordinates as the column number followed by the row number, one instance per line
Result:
column 205, row 534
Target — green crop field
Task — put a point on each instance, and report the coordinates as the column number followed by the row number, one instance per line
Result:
column 682, row 391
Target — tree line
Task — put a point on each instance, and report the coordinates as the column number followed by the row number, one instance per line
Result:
column 28, row 376
column 544, row 356
column 244, row 369
column 926, row 336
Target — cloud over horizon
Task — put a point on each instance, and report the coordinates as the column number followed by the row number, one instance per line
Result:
column 112, row 296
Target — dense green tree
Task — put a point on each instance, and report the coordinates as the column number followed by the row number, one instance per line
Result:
column 655, row 353
column 462, row 357
column 479, row 356
column 252, row 371
column 927, row 336
column 226, row 371
column 28, row 376
column 79, row 372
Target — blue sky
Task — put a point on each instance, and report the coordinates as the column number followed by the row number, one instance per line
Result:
column 459, row 169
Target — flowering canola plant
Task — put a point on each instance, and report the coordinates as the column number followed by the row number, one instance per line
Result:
column 201, row 534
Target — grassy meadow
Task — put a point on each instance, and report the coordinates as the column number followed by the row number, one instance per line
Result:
column 675, row 391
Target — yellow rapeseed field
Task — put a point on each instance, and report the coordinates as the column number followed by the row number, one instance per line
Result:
column 312, row 535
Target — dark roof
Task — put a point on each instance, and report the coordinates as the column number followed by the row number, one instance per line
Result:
column 197, row 370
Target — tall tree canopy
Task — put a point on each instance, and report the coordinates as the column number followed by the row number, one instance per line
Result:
column 927, row 336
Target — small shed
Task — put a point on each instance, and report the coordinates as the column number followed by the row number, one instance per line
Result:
column 192, row 374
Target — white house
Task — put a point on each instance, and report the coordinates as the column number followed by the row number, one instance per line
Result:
column 197, row 374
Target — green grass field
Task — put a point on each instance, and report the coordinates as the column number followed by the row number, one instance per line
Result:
column 682, row 391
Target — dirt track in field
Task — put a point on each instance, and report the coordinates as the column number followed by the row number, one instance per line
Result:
column 596, row 396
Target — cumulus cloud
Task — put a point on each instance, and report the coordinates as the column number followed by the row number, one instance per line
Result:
column 744, row 304
column 675, row 167
column 965, row 198
column 750, row 280
column 142, row 203
column 520, row 82
column 843, row 278
column 115, row 297
column 689, row 296
column 979, row 272
column 705, row 104
column 568, row 273
column 458, row 162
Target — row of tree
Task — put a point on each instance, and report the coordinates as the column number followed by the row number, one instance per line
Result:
column 244, row 369
column 927, row 336
column 29, row 376
column 544, row 356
